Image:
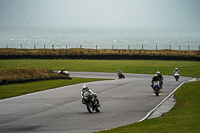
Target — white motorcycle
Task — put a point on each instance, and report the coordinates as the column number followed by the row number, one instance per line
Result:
column 64, row 72
column 176, row 76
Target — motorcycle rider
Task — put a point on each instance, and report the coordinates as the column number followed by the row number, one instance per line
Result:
column 62, row 70
column 94, row 95
column 161, row 78
column 155, row 78
column 176, row 70
column 119, row 71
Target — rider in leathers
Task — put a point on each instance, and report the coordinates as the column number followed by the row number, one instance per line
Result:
column 62, row 70
column 176, row 70
column 94, row 95
column 119, row 72
column 155, row 78
column 161, row 78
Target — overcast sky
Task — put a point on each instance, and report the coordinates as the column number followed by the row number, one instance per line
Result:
column 135, row 14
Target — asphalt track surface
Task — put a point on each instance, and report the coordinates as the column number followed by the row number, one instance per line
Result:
column 123, row 101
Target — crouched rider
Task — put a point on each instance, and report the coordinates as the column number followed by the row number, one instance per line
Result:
column 176, row 70
column 155, row 78
column 161, row 78
column 94, row 95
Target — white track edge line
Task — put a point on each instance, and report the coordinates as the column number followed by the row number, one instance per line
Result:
column 150, row 112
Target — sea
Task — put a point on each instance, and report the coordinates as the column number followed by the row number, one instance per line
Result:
column 147, row 39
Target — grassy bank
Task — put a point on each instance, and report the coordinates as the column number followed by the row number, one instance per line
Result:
column 82, row 51
column 11, row 74
column 183, row 118
column 187, row 68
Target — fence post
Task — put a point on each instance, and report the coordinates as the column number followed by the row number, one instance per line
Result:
column 96, row 47
column 52, row 46
column 112, row 46
column 66, row 46
column 21, row 46
column 6, row 46
column 34, row 46
column 156, row 47
column 142, row 47
column 179, row 47
column 169, row 47
column 44, row 46
column 188, row 47
column 128, row 47
column 80, row 46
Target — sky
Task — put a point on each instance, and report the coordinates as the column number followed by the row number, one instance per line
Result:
column 131, row 14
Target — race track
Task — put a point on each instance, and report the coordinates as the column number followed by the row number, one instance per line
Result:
column 123, row 101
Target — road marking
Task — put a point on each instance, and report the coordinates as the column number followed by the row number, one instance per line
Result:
column 150, row 112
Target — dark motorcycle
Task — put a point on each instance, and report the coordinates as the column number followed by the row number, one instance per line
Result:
column 91, row 102
column 121, row 75
column 156, row 88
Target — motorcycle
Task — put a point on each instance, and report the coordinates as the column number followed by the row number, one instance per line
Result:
column 90, row 102
column 121, row 75
column 156, row 88
column 64, row 72
column 176, row 76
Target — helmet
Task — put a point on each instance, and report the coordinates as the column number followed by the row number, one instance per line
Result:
column 85, row 87
column 155, row 75
column 158, row 72
column 176, row 68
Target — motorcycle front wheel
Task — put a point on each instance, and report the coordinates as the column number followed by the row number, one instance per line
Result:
column 89, row 107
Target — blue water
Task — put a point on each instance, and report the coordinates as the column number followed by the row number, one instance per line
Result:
column 100, row 38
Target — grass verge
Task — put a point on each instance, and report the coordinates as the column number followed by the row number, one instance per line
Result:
column 7, row 91
column 183, row 118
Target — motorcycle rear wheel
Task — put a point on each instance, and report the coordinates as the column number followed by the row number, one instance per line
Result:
column 98, row 108
column 157, row 93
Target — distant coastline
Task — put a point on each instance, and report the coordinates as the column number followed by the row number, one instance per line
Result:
column 147, row 39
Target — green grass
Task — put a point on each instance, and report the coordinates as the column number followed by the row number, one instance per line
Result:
column 7, row 91
column 183, row 118
column 187, row 68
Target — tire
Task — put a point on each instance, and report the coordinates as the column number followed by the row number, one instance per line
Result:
column 176, row 78
column 98, row 108
column 157, row 93
column 89, row 107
